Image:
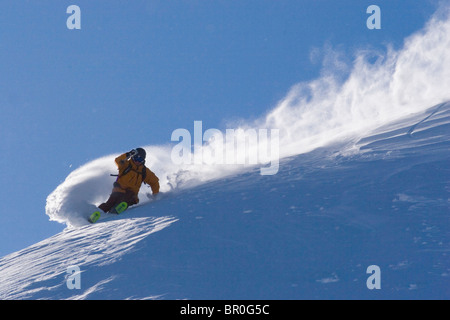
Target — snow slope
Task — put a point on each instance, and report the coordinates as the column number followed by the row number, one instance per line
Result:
column 310, row 231
column 363, row 180
column 342, row 105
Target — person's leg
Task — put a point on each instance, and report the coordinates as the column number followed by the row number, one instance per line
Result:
column 114, row 199
column 130, row 198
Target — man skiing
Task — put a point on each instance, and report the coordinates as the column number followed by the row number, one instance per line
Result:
column 132, row 173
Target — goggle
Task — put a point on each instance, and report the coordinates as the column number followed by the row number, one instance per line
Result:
column 138, row 158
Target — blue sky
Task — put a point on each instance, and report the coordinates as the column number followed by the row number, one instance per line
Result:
column 137, row 70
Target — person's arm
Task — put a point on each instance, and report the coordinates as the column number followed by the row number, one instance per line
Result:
column 152, row 180
column 123, row 158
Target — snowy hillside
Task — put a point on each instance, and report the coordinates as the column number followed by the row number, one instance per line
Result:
column 363, row 180
column 308, row 232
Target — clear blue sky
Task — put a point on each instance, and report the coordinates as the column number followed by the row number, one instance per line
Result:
column 137, row 70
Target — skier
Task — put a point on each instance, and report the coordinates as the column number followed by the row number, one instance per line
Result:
column 132, row 173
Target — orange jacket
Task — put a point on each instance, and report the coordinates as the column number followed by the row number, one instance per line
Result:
column 132, row 180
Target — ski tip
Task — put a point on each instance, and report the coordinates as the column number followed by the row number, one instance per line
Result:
column 94, row 217
column 121, row 207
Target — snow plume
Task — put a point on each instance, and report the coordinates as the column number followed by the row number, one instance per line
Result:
column 88, row 186
column 346, row 102
column 379, row 88
column 72, row 200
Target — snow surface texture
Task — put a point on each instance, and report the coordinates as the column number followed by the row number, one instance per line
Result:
column 363, row 180
column 309, row 232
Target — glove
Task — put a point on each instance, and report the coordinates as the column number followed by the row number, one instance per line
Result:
column 131, row 153
column 154, row 196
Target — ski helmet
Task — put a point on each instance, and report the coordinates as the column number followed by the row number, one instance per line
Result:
column 140, row 156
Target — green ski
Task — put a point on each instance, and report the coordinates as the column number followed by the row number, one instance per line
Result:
column 121, row 207
column 94, row 217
